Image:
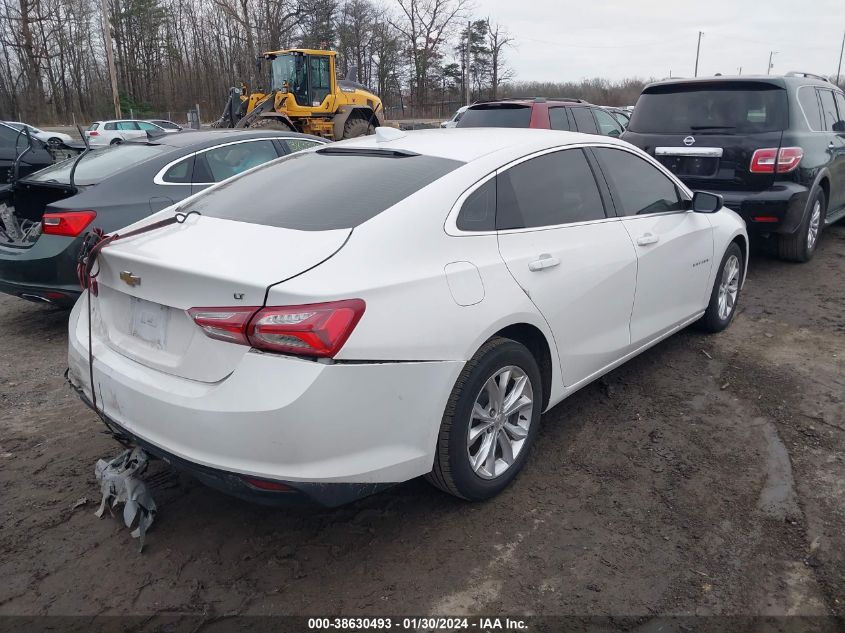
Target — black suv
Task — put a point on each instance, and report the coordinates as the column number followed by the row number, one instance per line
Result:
column 774, row 147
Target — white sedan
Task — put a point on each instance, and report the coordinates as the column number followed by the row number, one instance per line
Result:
column 409, row 307
column 54, row 139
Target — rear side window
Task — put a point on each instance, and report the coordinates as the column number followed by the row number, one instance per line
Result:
column 496, row 115
column 110, row 126
column 181, row 172
column 323, row 190
column 828, row 109
column 478, row 212
column 558, row 119
column 127, row 125
column 608, row 125
column 552, row 189
column 728, row 108
column 230, row 160
column 840, row 105
column 810, row 105
column 639, row 187
column 584, row 120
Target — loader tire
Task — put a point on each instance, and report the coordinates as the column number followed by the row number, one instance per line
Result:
column 357, row 127
column 271, row 123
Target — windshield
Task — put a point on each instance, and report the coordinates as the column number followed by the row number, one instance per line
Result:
column 496, row 115
column 730, row 108
column 98, row 165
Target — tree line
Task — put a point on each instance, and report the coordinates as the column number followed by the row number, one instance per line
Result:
column 418, row 55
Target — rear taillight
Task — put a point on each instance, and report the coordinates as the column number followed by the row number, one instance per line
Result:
column 68, row 223
column 770, row 160
column 224, row 324
column 93, row 133
column 317, row 329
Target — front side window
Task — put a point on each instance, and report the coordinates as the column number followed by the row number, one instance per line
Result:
column 584, row 120
column 549, row 190
column 127, row 126
column 148, row 127
column 809, row 101
column 230, row 160
column 639, row 187
column 828, row 109
column 840, row 106
column 608, row 125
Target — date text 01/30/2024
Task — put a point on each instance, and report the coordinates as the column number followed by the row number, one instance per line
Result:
column 418, row 624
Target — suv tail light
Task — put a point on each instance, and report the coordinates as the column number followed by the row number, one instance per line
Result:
column 93, row 133
column 770, row 160
column 68, row 223
column 316, row 329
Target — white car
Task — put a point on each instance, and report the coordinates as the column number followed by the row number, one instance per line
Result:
column 455, row 118
column 113, row 132
column 53, row 139
column 409, row 307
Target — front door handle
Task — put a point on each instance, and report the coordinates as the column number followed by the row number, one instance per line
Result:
column 647, row 238
column 545, row 261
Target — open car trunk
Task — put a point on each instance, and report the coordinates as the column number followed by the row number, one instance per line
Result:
column 23, row 205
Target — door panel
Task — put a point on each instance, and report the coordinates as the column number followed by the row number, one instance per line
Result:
column 584, row 287
column 674, row 259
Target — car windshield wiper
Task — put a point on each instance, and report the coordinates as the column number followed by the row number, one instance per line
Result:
column 712, row 127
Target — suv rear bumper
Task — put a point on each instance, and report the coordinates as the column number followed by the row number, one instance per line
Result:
column 778, row 209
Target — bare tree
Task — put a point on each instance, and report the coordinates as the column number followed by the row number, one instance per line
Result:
column 497, row 40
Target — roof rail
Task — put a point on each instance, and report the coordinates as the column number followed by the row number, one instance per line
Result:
column 797, row 73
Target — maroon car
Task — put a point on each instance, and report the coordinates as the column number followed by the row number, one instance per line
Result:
column 572, row 115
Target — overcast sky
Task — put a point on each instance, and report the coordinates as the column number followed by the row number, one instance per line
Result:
column 569, row 40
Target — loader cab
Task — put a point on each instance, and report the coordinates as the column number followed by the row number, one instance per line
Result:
column 307, row 75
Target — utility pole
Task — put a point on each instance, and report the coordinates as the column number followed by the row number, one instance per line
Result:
column 697, row 52
column 110, row 58
column 769, row 68
column 467, row 85
column 839, row 68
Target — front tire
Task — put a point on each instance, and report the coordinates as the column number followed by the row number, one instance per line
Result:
column 491, row 420
column 357, row 127
column 801, row 245
column 725, row 295
column 54, row 142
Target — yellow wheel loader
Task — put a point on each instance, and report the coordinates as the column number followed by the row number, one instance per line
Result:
column 305, row 96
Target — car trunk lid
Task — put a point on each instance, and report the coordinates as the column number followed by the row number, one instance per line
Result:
column 146, row 284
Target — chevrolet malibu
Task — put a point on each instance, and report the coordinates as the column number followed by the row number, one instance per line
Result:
column 409, row 306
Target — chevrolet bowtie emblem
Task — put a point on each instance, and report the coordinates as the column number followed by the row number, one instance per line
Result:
column 130, row 279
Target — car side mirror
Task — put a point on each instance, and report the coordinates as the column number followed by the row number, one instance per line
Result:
column 706, row 202
column 839, row 127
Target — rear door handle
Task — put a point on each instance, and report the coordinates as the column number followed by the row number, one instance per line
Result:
column 647, row 238
column 545, row 261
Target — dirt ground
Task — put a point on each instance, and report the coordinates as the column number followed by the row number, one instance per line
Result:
column 707, row 476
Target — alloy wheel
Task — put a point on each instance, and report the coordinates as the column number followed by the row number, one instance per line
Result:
column 728, row 287
column 815, row 223
column 500, row 418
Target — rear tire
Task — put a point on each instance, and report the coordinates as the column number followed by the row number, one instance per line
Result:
column 463, row 465
column 801, row 245
column 271, row 123
column 54, row 142
column 357, row 127
column 116, row 141
column 726, row 289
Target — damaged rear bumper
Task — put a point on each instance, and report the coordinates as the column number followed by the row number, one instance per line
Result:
column 255, row 490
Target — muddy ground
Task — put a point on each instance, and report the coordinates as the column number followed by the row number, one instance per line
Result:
column 706, row 476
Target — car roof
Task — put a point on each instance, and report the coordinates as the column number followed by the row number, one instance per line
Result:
column 780, row 81
column 554, row 101
column 193, row 138
column 468, row 144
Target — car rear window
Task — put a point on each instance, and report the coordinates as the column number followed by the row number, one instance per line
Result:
column 728, row 108
column 496, row 115
column 99, row 164
column 332, row 188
